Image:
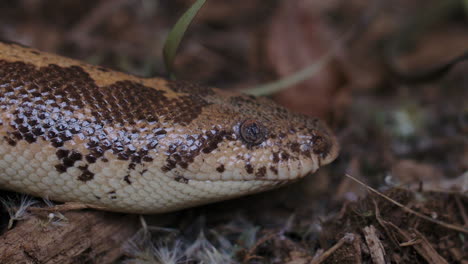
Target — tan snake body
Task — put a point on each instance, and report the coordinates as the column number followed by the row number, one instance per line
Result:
column 74, row 132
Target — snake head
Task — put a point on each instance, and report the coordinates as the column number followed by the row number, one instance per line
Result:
column 244, row 138
column 237, row 144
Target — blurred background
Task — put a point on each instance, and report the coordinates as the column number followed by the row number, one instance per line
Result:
column 392, row 133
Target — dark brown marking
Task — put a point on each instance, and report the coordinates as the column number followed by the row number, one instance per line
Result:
column 181, row 179
column 147, row 158
column 62, row 153
column 220, row 168
column 170, row 164
column 276, row 158
column 274, row 170
column 321, row 145
column 295, row 147
column 249, row 168
column 61, row 168
column 90, row 158
column 214, row 138
column 86, row 176
column 75, row 156
column 112, row 195
column 127, row 179
column 67, row 162
column 261, row 172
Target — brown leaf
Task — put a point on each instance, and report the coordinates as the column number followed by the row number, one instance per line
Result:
column 296, row 39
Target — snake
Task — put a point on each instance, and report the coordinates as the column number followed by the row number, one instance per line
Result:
column 79, row 133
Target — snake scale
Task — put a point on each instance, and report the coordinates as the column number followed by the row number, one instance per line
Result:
column 74, row 132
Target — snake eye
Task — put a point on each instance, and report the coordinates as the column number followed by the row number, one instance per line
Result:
column 252, row 132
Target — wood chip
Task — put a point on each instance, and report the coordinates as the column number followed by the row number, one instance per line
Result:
column 376, row 248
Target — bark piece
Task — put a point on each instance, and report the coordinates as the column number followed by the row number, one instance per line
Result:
column 87, row 237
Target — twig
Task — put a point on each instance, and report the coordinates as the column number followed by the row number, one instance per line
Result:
column 423, row 247
column 409, row 210
column 384, row 223
column 348, row 238
column 412, row 242
column 461, row 208
column 250, row 254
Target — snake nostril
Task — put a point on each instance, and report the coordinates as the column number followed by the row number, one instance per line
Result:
column 321, row 145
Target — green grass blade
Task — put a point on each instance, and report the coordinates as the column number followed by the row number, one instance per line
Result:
column 293, row 79
column 177, row 33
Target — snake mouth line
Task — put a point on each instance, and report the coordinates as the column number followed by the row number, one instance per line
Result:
column 275, row 181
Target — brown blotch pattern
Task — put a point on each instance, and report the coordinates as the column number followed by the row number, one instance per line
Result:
column 57, row 103
column 184, row 152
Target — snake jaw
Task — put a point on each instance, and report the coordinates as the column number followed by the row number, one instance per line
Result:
column 332, row 154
